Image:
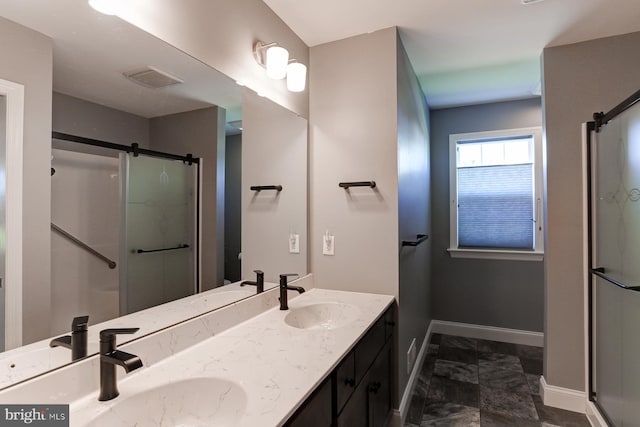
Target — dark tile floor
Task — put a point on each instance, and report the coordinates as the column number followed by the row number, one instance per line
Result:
column 468, row 382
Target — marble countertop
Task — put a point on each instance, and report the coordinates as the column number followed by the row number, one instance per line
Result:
column 275, row 365
column 34, row 359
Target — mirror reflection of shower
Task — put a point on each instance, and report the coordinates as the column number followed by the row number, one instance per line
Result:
column 125, row 231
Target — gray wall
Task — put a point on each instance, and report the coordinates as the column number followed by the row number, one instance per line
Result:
column 222, row 33
column 368, row 122
column 414, row 216
column 354, row 137
column 196, row 132
column 232, row 206
column 27, row 59
column 578, row 80
column 274, row 152
column 76, row 116
column 507, row 294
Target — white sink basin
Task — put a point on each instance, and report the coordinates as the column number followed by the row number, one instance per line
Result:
column 191, row 402
column 326, row 315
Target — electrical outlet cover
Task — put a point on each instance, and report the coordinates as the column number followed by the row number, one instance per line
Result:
column 294, row 243
column 328, row 245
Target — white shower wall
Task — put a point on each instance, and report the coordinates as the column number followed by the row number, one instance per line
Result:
column 85, row 203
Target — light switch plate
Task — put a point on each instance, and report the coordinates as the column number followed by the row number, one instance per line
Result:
column 294, row 243
column 328, row 245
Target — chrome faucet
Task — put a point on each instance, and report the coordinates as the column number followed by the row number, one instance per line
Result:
column 77, row 341
column 259, row 283
column 110, row 357
column 284, row 288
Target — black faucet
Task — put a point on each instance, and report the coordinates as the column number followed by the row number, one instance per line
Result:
column 77, row 341
column 284, row 288
column 110, row 357
column 259, row 283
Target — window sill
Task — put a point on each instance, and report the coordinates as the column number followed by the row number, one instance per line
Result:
column 496, row 254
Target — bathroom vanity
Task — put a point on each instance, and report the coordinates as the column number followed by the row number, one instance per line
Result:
column 358, row 391
column 326, row 358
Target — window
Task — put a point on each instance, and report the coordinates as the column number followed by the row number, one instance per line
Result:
column 495, row 191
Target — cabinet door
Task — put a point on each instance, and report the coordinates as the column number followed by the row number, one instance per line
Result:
column 379, row 386
column 345, row 381
column 355, row 412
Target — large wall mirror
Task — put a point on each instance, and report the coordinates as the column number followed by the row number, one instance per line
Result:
column 134, row 229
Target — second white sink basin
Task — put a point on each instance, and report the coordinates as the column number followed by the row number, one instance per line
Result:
column 326, row 315
column 191, row 402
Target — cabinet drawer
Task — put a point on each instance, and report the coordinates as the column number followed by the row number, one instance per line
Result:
column 367, row 349
column 345, row 380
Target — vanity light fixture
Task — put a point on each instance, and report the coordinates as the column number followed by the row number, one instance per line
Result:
column 108, row 7
column 296, row 76
column 275, row 59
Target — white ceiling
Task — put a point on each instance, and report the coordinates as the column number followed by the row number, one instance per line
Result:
column 466, row 51
column 92, row 50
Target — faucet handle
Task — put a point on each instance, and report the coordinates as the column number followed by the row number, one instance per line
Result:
column 283, row 278
column 259, row 272
column 79, row 324
column 110, row 334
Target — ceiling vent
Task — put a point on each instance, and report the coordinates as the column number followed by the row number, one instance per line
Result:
column 151, row 77
column 531, row 1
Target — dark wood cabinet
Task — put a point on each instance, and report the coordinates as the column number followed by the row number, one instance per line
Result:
column 359, row 389
column 379, row 389
column 316, row 410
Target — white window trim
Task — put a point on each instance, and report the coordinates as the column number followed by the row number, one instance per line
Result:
column 501, row 254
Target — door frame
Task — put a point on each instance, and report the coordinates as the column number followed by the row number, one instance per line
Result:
column 12, row 282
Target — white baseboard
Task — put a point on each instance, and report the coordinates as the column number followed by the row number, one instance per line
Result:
column 594, row 416
column 563, row 398
column 396, row 419
column 514, row 336
column 415, row 373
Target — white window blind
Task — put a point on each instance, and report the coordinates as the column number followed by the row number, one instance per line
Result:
column 495, row 206
column 496, row 177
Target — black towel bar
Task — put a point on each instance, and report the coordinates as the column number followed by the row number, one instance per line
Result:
column 600, row 273
column 266, row 187
column 419, row 239
column 143, row 251
column 345, row 185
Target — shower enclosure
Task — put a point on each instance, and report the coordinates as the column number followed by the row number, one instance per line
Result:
column 613, row 154
column 134, row 245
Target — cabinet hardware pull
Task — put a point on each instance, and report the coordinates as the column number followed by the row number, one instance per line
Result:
column 375, row 387
column 350, row 382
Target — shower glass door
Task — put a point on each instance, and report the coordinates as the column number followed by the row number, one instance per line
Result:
column 615, row 236
column 160, row 231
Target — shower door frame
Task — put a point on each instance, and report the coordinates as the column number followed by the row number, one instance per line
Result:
column 589, row 130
